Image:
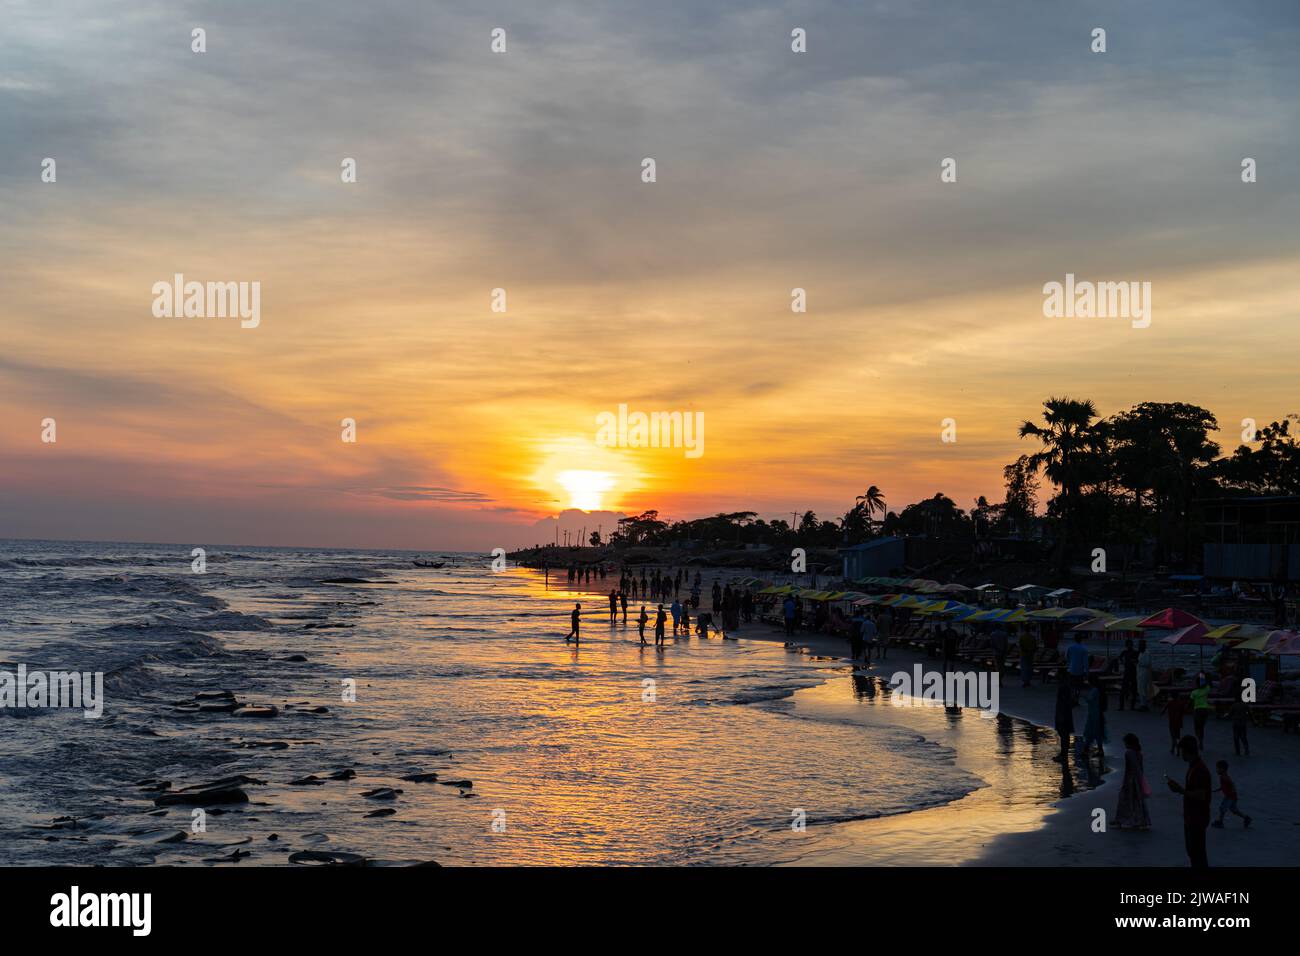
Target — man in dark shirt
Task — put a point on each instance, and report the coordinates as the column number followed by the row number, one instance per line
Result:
column 1196, row 792
column 575, row 617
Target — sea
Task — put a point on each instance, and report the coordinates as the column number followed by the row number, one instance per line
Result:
column 545, row 753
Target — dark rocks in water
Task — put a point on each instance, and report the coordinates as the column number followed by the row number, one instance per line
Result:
column 295, row 659
column 463, row 784
column 303, row 707
column 258, row 711
column 349, row 581
column 64, row 823
column 273, row 837
column 429, row 777
column 217, row 795
column 382, row 812
column 347, row 773
column 215, row 695
column 234, row 857
column 224, row 791
column 180, row 836
column 238, row 780
column 263, row 744
column 428, row 863
column 311, row 780
column 381, row 793
column 156, row 813
column 466, row 794
column 324, row 858
column 154, row 786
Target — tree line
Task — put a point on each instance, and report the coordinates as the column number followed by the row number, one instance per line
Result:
column 1128, row 479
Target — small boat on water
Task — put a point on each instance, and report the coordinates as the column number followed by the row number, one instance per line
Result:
column 429, row 564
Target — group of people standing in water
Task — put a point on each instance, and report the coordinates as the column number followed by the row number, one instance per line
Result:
column 730, row 606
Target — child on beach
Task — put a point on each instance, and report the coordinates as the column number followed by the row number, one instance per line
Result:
column 1229, row 802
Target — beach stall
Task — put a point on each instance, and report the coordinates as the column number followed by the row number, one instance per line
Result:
column 990, row 595
column 1028, row 594
column 1058, row 597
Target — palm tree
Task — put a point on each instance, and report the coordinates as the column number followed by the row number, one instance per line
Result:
column 1069, row 442
column 871, row 502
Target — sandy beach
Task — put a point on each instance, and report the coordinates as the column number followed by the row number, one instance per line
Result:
column 997, row 826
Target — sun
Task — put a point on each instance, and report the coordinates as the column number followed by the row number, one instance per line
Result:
column 585, row 488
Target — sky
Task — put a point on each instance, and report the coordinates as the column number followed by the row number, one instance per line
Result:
column 522, row 171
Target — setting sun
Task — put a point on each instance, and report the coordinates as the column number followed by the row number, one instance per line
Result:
column 585, row 488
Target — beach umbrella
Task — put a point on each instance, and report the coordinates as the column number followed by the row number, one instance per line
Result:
column 940, row 607
column 1171, row 619
column 1095, row 626
column 953, row 588
column 1188, row 635
column 1282, row 642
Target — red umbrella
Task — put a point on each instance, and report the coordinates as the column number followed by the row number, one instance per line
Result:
column 1171, row 618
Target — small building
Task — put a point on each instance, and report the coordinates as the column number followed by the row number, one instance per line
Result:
column 874, row 558
column 1252, row 538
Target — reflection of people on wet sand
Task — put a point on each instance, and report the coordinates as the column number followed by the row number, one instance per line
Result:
column 576, row 619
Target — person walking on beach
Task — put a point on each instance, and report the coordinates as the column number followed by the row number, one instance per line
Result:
column 1144, row 676
column 867, row 636
column 717, row 598
column 1196, row 802
column 660, row 619
column 1064, row 713
column 1175, row 710
column 1076, row 660
column 1094, row 728
column 676, row 610
column 1133, row 792
column 1028, row 648
column 641, row 623
column 999, row 641
column 855, row 638
column 1229, row 802
column 622, row 600
column 575, row 620
column 1128, row 688
column 884, row 629
column 686, row 619
column 787, row 607
column 613, row 607
column 1201, row 709
column 1239, row 714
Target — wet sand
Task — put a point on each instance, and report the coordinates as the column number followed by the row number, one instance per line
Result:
column 1012, row 822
